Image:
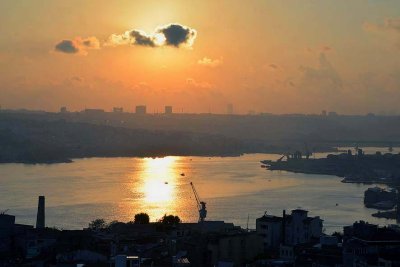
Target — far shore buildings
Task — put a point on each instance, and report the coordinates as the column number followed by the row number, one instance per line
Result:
column 141, row 110
column 118, row 109
column 168, row 110
column 63, row 110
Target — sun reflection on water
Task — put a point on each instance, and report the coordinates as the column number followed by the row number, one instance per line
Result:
column 159, row 180
column 158, row 185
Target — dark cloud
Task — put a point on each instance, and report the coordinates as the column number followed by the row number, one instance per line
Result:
column 140, row 38
column 168, row 35
column 326, row 48
column 77, row 45
column 273, row 66
column 90, row 42
column 176, row 34
column 67, row 46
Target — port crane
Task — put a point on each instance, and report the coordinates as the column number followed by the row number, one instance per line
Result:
column 201, row 205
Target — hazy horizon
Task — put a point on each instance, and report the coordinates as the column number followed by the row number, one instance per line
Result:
column 266, row 56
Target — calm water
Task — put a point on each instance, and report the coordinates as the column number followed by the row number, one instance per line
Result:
column 117, row 188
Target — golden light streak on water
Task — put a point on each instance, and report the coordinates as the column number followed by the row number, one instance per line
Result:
column 159, row 185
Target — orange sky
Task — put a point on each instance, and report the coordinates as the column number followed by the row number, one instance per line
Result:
column 277, row 56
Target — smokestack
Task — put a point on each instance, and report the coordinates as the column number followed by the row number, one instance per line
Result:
column 283, row 227
column 40, row 214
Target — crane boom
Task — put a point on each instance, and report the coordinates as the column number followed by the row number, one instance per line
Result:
column 196, row 195
column 201, row 205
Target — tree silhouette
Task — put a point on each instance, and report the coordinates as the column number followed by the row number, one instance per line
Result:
column 97, row 224
column 170, row 220
column 142, row 218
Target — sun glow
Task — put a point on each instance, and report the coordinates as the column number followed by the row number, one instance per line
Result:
column 159, row 39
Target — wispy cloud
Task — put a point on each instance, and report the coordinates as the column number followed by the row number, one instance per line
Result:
column 208, row 62
column 390, row 27
column 199, row 84
column 389, row 24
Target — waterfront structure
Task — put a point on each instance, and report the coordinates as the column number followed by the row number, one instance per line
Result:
column 141, row 110
column 358, row 168
column 168, row 110
column 40, row 219
column 63, row 110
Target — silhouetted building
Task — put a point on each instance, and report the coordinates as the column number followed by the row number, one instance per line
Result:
column 168, row 110
column 367, row 244
column 40, row 219
column 323, row 113
column 141, row 110
column 293, row 229
column 118, row 109
column 6, row 225
column 234, row 248
column 229, row 109
column 63, row 110
column 124, row 261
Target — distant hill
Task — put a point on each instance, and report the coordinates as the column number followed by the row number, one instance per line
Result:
column 34, row 141
column 47, row 137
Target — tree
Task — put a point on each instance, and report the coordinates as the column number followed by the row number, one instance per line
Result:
column 170, row 220
column 97, row 224
column 142, row 218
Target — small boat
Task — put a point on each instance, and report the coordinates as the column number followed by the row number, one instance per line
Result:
column 165, row 182
column 182, row 174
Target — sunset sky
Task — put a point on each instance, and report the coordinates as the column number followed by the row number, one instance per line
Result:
column 278, row 56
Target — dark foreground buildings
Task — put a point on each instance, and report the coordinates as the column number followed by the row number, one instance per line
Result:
column 294, row 239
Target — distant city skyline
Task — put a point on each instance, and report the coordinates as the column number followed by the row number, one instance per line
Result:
column 263, row 56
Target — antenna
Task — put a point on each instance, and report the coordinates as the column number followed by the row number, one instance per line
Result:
column 248, row 217
column 4, row 212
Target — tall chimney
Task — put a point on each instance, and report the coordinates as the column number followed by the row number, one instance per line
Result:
column 40, row 214
column 283, row 227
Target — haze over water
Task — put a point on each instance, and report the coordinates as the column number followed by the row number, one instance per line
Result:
column 233, row 187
